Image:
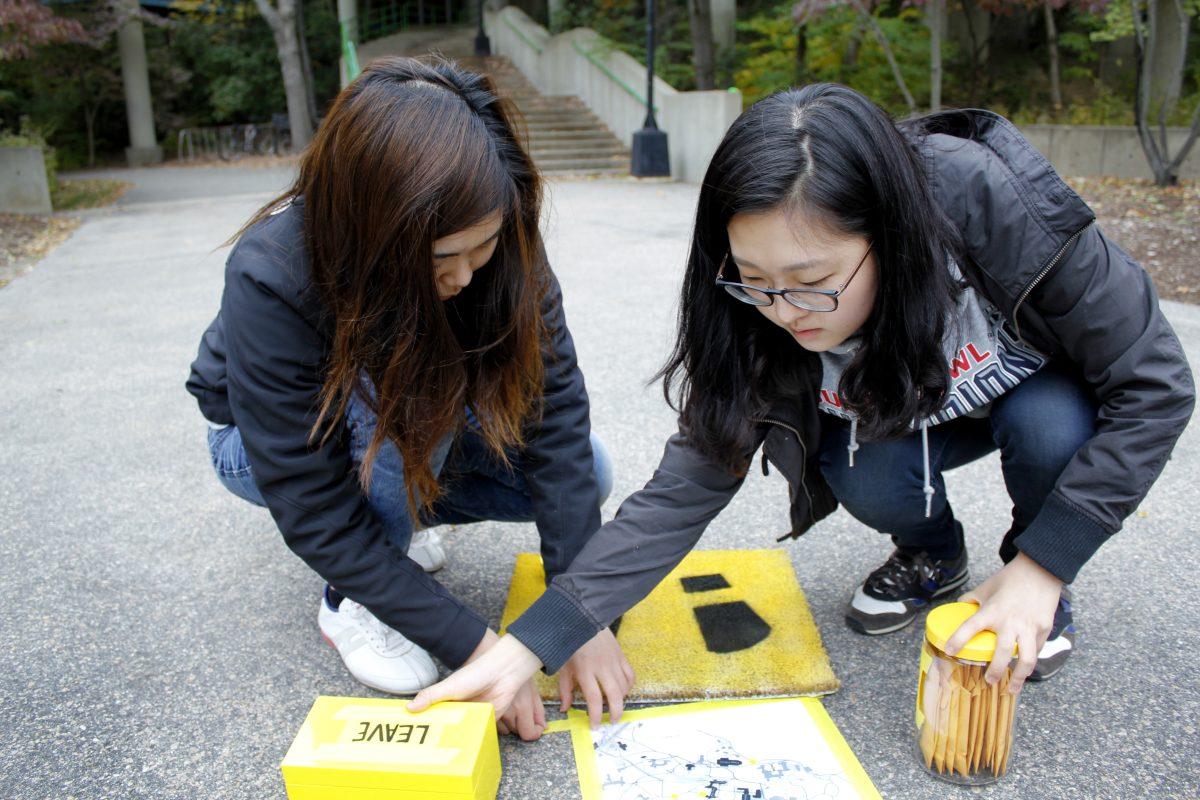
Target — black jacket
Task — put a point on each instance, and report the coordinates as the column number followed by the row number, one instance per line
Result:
column 260, row 367
column 1034, row 251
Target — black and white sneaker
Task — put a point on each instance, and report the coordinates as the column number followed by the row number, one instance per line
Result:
column 1060, row 643
column 892, row 596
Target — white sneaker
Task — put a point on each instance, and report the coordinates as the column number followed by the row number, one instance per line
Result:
column 375, row 654
column 426, row 549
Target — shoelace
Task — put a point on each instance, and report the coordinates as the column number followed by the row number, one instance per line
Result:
column 381, row 637
column 902, row 571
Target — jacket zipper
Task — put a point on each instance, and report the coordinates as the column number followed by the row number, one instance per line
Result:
column 1039, row 277
column 803, row 457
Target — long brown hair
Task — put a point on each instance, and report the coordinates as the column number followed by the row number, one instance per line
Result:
column 409, row 153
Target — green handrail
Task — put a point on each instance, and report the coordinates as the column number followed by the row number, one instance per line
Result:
column 523, row 36
column 349, row 53
column 611, row 75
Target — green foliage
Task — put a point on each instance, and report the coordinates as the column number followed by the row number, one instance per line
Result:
column 210, row 67
column 86, row 193
column 623, row 22
column 767, row 44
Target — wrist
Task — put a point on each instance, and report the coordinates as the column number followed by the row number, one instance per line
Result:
column 488, row 641
column 1040, row 573
column 517, row 657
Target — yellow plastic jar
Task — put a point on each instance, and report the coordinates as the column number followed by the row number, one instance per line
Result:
column 964, row 724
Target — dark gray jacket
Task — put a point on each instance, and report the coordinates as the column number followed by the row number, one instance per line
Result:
column 260, row 367
column 1034, row 251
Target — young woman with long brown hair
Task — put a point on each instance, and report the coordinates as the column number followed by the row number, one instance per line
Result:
column 391, row 355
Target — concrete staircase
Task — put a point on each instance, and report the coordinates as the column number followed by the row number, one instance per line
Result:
column 565, row 137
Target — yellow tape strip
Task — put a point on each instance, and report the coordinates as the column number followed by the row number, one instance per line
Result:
column 558, row 726
column 845, row 756
column 589, row 771
column 585, row 756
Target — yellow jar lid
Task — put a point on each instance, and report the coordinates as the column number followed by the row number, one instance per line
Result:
column 943, row 621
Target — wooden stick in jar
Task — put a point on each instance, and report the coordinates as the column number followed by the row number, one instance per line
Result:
column 942, row 721
column 952, row 722
column 983, row 699
column 963, row 747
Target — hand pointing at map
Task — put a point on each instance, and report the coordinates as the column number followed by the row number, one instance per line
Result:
column 499, row 674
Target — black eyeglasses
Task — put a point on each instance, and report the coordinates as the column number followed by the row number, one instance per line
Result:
column 823, row 300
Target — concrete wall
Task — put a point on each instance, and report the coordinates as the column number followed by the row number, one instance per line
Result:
column 23, row 185
column 1104, row 150
column 582, row 63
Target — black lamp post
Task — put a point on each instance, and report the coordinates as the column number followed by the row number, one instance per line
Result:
column 483, row 45
column 650, row 155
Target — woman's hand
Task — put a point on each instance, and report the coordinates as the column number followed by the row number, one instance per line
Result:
column 1017, row 604
column 526, row 717
column 499, row 672
column 601, row 671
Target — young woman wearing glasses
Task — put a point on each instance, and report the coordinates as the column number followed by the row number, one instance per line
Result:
column 874, row 304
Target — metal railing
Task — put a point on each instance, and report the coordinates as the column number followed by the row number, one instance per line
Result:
column 391, row 16
column 232, row 142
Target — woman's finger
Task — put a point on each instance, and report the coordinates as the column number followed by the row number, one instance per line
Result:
column 566, row 689
column 502, row 727
column 444, row 690
column 615, row 696
column 539, row 708
column 527, row 727
column 1003, row 657
column 966, row 632
column 627, row 670
column 595, row 700
column 1026, row 660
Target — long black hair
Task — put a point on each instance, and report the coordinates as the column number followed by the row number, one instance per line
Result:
column 829, row 153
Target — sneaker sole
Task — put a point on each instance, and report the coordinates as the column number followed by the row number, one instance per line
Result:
column 947, row 592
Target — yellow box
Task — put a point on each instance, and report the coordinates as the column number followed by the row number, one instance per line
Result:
column 359, row 748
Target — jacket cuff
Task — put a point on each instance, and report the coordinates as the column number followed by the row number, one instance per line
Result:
column 554, row 627
column 1062, row 539
column 461, row 639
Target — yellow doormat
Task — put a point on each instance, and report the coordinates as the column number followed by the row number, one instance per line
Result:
column 724, row 623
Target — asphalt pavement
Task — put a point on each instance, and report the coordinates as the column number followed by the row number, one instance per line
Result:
column 160, row 641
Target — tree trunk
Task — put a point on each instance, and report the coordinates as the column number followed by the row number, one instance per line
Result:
column 700, row 17
column 1151, row 76
column 1052, row 44
column 850, row 56
column 935, row 13
column 802, row 54
column 283, row 26
column 865, row 13
column 306, row 62
column 979, row 49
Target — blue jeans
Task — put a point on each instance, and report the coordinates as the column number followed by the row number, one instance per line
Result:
column 1038, row 426
column 478, row 486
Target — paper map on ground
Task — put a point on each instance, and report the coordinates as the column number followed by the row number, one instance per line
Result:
column 740, row 750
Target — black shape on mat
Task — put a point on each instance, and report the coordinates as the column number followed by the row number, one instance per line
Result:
column 729, row 627
column 704, row 583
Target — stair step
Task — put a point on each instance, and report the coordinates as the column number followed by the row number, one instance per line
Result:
column 596, row 134
column 604, row 151
column 607, row 140
column 563, row 126
column 558, row 115
column 581, row 163
column 589, row 171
